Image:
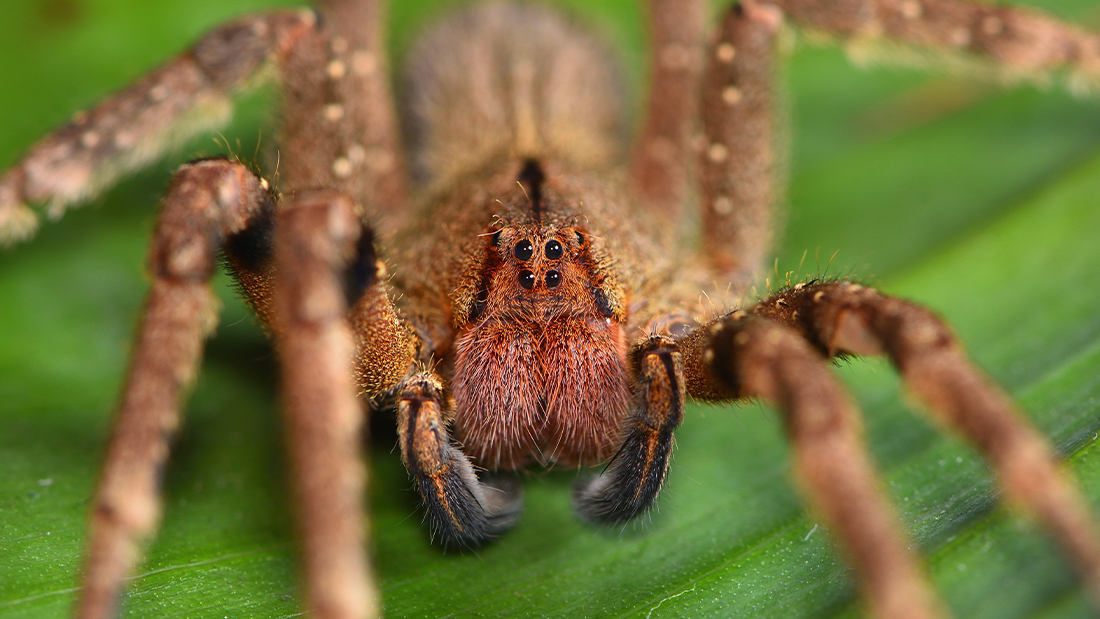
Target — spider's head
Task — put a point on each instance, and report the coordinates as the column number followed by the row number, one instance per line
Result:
column 540, row 370
column 540, row 271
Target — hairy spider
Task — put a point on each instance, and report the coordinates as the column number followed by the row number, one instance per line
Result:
column 390, row 547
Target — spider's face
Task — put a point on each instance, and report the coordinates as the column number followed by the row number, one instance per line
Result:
column 541, row 373
column 541, row 274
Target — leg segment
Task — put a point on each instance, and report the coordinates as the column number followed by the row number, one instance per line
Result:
column 207, row 201
column 340, row 120
column 316, row 239
column 1014, row 43
column 743, row 356
column 658, row 173
column 848, row 318
column 460, row 509
column 636, row 473
column 135, row 126
column 737, row 166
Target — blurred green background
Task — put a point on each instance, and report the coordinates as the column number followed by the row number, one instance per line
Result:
column 976, row 201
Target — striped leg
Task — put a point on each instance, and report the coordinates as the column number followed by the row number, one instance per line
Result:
column 461, row 510
column 636, row 473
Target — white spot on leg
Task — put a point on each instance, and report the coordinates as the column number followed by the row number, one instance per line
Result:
column 960, row 37
column 717, row 152
column 723, row 205
column 992, row 25
column 357, row 154
column 264, row 183
column 731, row 95
column 336, row 69
column 158, row 93
column 341, row 167
column 125, row 139
column 333, row 112
column 911, row 9
column 725, row 53
column 89, row 139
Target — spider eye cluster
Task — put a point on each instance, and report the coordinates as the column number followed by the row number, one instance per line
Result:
column 524, row 250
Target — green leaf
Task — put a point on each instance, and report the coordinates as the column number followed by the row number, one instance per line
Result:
column 976, row 202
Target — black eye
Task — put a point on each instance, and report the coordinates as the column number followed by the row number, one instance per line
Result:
column 553, row 250
column 553, row 278
column 527, row 279
column 524, row 250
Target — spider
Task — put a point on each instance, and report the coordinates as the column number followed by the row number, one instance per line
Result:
column 684, row 588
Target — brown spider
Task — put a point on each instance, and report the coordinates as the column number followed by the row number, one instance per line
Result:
column 581, row 331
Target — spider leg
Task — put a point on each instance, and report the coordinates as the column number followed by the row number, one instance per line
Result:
column 737, row 166
column 317, row 238
column 744, row 356
column 1012, row 43
column 207, row 201
column 659, row 176
column 341, row 126
column 461, row 510
column 636, row 473
column 848, row 318
column 189, row 95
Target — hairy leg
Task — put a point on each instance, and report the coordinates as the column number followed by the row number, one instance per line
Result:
column 743, row 356
column 843, row 317
column 636, row 473
column 316, row 239
column 126, row 131
column 737, row 165
column 1012, row 43
column 461, row 510
column 208, row 200
column 340, row 125
column 659, row 172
